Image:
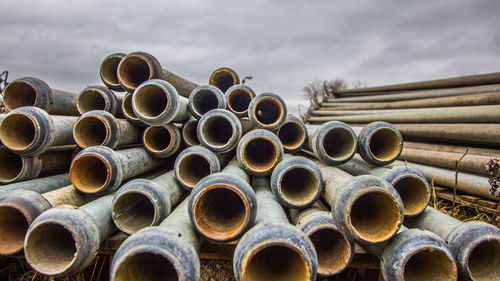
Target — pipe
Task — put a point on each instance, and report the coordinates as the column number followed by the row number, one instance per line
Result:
column 137, row 67
column 296, row 182
column 162, row 141
column 99, row 169
column 99, row 98
column 365, row 208
column 223, row 78
column 267, row 111
column 40, row 185
column 335, row 251
column 98, row 127
column 142, row 202
column 128, row 111
column 333, row 142
column 108, row 71
column 259, row 151
column 411, row 185
column 379, row 143
column 337, row 112
column 31, row 91
column 189, row 132
column 31, row 130
column 205, row 98
column 156, row 102
column 238, row 98
column 65, row 239
column 453, row 148
column 16, row 168
column 165, row 252
column 273, row 249
column 222, row 206
column 20, row 207
column 475, row 245
column 292, row 134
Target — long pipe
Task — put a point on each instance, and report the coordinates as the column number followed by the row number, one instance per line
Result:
column 189, row 132
column 128, row 111
column 267, row 111
column 40, row 185
column 491, row 152
column 162, row 141
column 337, row 112
column 31, row 130
column 30, row 91
column 108, row 71
column 165, row 252
column 223, row 78
column 333, row 142
column 475, row 245
column 205, row 98
column 273, row 249
column 99, row 98
column 222, row 206
column 259, row 151
column 238, row 98
column 379, row 143
column 292, row 134
column 137, row 67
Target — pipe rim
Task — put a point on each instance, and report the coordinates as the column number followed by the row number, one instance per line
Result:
column 257, row 168
column 12, row 166
column 312, row 194
column 27, row 141
column 296, row 143
column 328, row 133
column 75, row 178
column 277, row 104
column 227, row 73
column 27, row 95
column 127, row 109
column 484, row 267
column 421, row 193
column 203, row 99
column 84, row 131
column 238, row 90
column 108, row 71
column 141, row 61
column 189, row 132
column 432, row 250
column 16, row 244
column 154, row 135
column 396, row 144
column 219, row 120
column 124, row 224
column 155, row 102
column 199, row 153
column 94, row 98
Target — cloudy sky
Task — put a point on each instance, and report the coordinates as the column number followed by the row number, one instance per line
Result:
column 283, row 44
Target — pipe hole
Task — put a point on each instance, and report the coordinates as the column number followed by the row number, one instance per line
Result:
column 430, row 264
column 414, row 193
column 192, row 168
column 150, row 100
column 385, row 144
column 133, row 211
column 18, row 94
column 109, row 70
column 203, row 101
column 299, row 185
column 11, row 165
column 339, row 143
column 90, row 100
column 13, row 228
column 127, row 107
column 223, row 79
column 90, row 131
column 333, row 249
column 88, row 173
column 292, row 135
column 146, row 267
column 238, row 100
column 158, row 138
column 17, row 131
column 133, row 71
column 268, row 111
column 484, row 261
column 217, row 131
column 260, row 154
column 189, row 133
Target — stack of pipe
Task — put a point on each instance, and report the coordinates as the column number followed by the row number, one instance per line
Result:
column 173, row 163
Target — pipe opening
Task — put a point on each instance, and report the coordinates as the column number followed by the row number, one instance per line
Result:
column 299, row 185
column 238, row 100
column 414, row 193
column 133, row 71
column 192, row 168
column 339, row 143
column 133, row 211
column 90, row 100
column 89, row 173
column 90, row 131
column 18, row 131
column 223, row 79
column 221, row 213
column 276, row 262
column 333, row 249
column 268, row 111
column 127, row 107
column 260, row 154
column 375, row 216
column 484, row 261
column 385, row 144
column 430, row 264
column 292, row 135
column 146, row 267
column 11, row 165
column 13, row 228
column 109, row 69
column 150, row 100
column 189, row 133
column 203, row 101
column 18, row 94
column 217, row 131
column 158, row 138
column 50, row 248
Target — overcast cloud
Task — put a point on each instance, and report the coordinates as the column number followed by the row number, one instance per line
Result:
column 283, row 44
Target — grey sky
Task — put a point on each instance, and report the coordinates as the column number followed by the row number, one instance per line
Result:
column 283, row 44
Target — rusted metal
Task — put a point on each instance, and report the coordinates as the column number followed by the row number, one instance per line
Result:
column 259, row 151
column 238, row 98
column 40, row 185
column 364, row 112
column 162, row 141
column 108, row 71
column 333, row 142
column 128, row 111
column 223, row 78
column 453, row 148
column 31, row 91
column 100, row 98
column 205, row 98
column 267, row 111
column 379, row 143
column 189, row 132
column 292, row 134
column 31, row 130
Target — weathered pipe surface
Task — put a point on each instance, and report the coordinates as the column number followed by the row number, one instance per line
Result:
column 143, row 202
column 296, row 182
column 156, row 102
column 99, row 127
column 196, row 162
column 220, row 130
column 189, row 132
column 128, row 111
column 259, row 151
column 99, row 169
column 379, row 143
column 335, row 250
column 16, row 168
column 39, row 185
column 30, row 130
column 65, row 239
column 223, row 78
column 453, row 148
column 162, row 141
column 108, row 71
column 333, row 142
column 31, row 91
column 222, row 206
column 338, row 112
column 267, row 111
column 205, row 98
column 366, row 208
column 273, row 249
column 238, row 98
column 412, row 186
column 165, row 252
column 475, row 245
column 138, row 67
column 20, row 207
column 292, row 133
column 466, row 182
column 99, row 98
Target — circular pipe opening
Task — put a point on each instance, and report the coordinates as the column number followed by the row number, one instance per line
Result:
column 90, row 131
column 238, row 100
column 339, row 143
column 158, row 138
column 192, row 168
column 484, row 261
column 299, row 185
column 268, row 111
column 18, row 131
column 109, row 69
column 375, row 216
column 333, row 249
column 11, row 165
column 203, row 101
column 385, row 144
column 223, row 79
column 13, row 228
column 217, row 131
column 90, row 100
column 276, row 262
column 189, row 133
column 430, row 264
column 133, row 70
column 146, row 266
column 150, row 100
column 260, row 154
column 220, row 213
column 89, row 173
column 292, row 135
column 414, row 193
column 18, row 94
column 133, row 211
column 127, row 107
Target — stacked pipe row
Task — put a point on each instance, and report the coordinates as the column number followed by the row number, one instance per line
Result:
column 214, row 162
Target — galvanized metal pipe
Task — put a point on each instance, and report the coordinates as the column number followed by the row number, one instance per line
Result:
column 491, row 152
column 259, row 151
column 222, row 206
column 205, row 98
column 475, row 245
column 333, row 142
column 267, row 111
column 238, row 98
column 162, row 141
column 31, row 130
column 40, row 185
column 99, row 98
column 128, row 111
column 189, row 132
column 273, row 249
column 292, row 134
column 379, row 143
column 108, row 71
column 223, row 78
column 368, row 111
column 31, row 91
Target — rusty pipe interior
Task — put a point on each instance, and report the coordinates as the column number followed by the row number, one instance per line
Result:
column 19, row 93
column 18, row 131
column 413, row 192
column 13, row 228
column 260, row 154
column 109, row 68
column 89, row 173
column 332, row 248
column 238, row 100
column 90, row 99
column 339, row 143
column 384, row 144
column 292, row 135
column 150, row 100
column 133, row 70
column 90, row 131
column 217, row 130
column 158, row 138
column 429, row 264
column 484, row 260
column 133, row 211
column 189, row 133
column 223, row 78
column 11, row 165
column 127, row 107
column 203, row 101
column 192, row 168
column 268, row 111
column 146, row 266
column 299, row 184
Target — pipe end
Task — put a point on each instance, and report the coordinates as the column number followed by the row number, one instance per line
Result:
column 267, row 111
column 380, row 143
column 162, row 141
column 155, row 102
column 96, row 98
column 27, row 91
column 193, row 164
column 223, row 78
column 293, row 134
column 259, row 151
column 205, row 98
column 136, row 68
column 96, row 127
column 108, row 71
column 238, row 99
column 334, row 143
column 189, row 132
column 219, row 130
